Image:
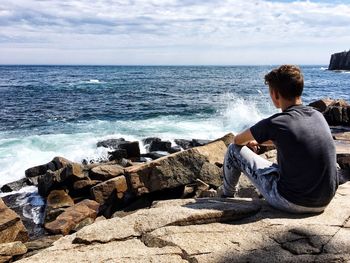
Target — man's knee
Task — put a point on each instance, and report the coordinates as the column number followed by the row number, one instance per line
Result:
column 234, row 149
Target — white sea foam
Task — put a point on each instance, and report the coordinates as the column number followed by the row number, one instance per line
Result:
column 26, row 189
column 94, row 81
column 31, row 202
column 18, row 154
column 240, row 113
column 323, row 68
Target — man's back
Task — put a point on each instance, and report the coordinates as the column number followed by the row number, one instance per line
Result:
column 306, row 155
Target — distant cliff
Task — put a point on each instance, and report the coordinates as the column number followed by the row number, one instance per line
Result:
column 340, row 61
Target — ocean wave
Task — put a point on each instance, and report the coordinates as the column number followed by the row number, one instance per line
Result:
column 95, row 81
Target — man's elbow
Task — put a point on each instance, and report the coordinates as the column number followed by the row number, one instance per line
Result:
column 237, row 140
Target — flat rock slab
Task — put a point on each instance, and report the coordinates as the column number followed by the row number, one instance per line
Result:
column 342, row 136
column 336, row 214
column 342, row 147
column 175, row 212
column 41, row 243
column 123, row 251
column 268, row 236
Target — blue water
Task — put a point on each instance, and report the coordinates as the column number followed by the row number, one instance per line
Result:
column 47, row 111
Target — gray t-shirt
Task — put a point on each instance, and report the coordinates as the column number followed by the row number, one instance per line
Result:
column 305, row 153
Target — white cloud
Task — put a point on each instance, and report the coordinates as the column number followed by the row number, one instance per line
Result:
column 171, row 31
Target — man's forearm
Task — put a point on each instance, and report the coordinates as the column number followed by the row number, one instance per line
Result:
column 267, row 143
column 243, row 138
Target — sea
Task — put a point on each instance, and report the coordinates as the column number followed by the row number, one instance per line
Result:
column 48, row 111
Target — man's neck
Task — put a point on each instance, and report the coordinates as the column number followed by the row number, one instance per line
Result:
column 288, row 103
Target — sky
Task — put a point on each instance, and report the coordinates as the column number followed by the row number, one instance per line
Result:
column 172, row 32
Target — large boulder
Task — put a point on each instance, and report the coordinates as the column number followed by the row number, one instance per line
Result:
column 177, row 169
column 110, row 190
column 337, row 115
column 11, row 226
column 336, row 112
column 132, row 148
column 55, row 164
column 9, row 250
column 64, row 176
column 106, row 172
column 183, row 143
column 16, row 185
column 110, row 143
column 47, row 181
column 56, row 203
column 211, row 174
column 82, row 187
column 149, row 140
column 322, row 104
column 73, row 216
column 117, row 154
column 159, row 146
column 187, row 144
column 74, row 171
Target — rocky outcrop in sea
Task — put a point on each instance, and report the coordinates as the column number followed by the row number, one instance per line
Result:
column 340, row 61
column 336, row 112
column 161, row 206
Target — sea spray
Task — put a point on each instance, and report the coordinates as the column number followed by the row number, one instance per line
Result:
column 18, row 154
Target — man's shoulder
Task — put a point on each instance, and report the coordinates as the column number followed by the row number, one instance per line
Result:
column 301, row 111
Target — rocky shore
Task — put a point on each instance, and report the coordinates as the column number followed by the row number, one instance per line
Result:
column 161, row 206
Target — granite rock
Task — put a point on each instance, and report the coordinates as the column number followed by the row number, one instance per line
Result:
column 178, row 169
column 11, row 226
column 110, row 143
column 212, row 230
column 56, row 203
column 72, row 216
column 56, row 164
column 9, row 250
column 16, row 185
column 110, row 190
column 340, row 61
column 106, row 172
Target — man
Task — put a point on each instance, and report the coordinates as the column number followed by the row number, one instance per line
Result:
column 305, row 178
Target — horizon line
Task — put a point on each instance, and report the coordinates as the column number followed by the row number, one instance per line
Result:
column 164, row 65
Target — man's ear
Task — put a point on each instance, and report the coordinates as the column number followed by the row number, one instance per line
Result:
column 274, row 93
column 277, row 95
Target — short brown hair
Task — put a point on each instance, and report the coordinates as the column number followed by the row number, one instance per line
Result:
column 287, row 80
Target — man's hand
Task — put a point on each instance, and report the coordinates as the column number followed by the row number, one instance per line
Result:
column 253, row 145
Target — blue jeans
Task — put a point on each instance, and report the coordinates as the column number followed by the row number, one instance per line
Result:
column 263, row 174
